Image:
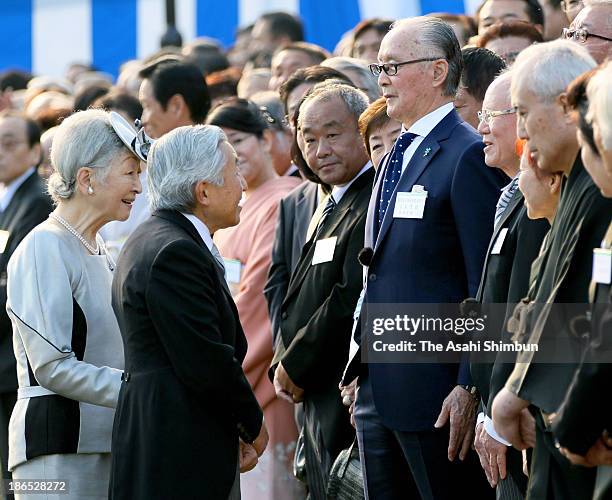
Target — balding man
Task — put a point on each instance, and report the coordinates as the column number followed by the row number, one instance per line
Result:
column 429, row 223
column 592, row 28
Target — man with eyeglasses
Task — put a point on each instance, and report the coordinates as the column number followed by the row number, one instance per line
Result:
column 592, row 27
column 24, row 204
column 428, row 226
column 514, row 245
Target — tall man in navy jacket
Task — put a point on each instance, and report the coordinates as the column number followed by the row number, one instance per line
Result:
column 414, row 420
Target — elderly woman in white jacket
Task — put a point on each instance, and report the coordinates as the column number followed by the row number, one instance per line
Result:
column 66, row 337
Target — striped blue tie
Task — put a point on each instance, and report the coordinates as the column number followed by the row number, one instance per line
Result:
column 393, row 172
column 504, row 199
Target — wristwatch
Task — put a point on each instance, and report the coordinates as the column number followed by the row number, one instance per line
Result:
column 472, row 389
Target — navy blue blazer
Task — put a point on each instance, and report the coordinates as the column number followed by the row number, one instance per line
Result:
column 436, row 259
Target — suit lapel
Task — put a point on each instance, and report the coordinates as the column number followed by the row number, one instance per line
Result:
column 417, row 165
column 184, row 223
column 345, row 207
column 422, row 157
column 514, row 204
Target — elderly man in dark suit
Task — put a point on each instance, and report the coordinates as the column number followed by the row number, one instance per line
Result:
column 24, row 204
column 429, row 222
column 185, row 407
column 515, row 243
column 316, row 314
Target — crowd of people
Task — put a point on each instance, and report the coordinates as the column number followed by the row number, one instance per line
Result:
column 192, row 259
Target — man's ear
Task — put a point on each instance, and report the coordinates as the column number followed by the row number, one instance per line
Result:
column 440, row 72
column 201, row 193
column 177, row 105
column 568, row 111
column 35, row 155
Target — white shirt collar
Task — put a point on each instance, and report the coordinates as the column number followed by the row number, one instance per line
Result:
column 7, row 192
column 423, row 126
column 338, row 191
column 201, row 229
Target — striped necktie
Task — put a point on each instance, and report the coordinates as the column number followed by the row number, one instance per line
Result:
column 393, row 172
column 217, row 255
column 329, row 206
column 507, row 194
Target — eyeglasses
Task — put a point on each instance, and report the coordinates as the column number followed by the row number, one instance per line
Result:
column 486, row 115
column 391, row 68
column 581, row 35
column 567, row 5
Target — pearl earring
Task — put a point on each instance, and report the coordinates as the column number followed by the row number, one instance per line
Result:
column 90, row 190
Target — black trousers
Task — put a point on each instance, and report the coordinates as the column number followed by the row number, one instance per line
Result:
column 412, row 465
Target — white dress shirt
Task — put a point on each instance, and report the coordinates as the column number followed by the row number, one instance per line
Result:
column 201, row 229
column 422, row 127
column 7, row 192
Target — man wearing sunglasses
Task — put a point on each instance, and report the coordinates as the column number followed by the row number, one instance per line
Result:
column 592, row 28
column 428, row 227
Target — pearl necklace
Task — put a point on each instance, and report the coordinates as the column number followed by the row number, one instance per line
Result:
column 93, row 250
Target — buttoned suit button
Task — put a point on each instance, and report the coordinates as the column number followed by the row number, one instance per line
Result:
column 284, row 315
column 372, row 277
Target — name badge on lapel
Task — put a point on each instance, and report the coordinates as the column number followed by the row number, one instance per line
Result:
column 499, row 242
column 324, row 250
column 410, row 205
column 4, row 237
column 602, row 265
column 233, row 270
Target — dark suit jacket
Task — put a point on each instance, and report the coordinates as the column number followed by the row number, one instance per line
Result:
column 505, row 279
column 186, row 400
column 436, row 259
column 294, row 214
column 29, row 206
column 317, row 314
column 587, row 410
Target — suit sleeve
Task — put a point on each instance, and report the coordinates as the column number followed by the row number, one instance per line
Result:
column 40, row 302
column 475, row 190
column 279, row 274
column 182, row 297
column 328, row 331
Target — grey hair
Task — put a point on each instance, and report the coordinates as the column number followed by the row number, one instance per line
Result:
column 599, row 93
column 597, row 3
column 179, row 160
column 368, row 80
column 85, row 139
column 355, row 100
column 546, row 69
column 438, row 40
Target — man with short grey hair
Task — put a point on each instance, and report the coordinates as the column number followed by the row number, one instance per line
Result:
column 181, row 331
column 316, row 313
column 429, row 223
column 544, row 121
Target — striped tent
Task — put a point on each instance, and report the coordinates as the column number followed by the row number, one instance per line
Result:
column 44, row 36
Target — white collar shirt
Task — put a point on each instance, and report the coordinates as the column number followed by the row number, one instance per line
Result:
column 7, row 192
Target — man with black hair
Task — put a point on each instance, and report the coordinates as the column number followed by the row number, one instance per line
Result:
column 24, row 204
column 481, row 66
column 292, row 57
column 172, row 94
column 274, row 29
column 493, row 11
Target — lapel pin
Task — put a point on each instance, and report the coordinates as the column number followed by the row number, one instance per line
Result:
column 427, row 151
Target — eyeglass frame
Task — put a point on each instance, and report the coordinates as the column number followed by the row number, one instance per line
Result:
column 569, row 34
column 482, row 115
column 377, row 69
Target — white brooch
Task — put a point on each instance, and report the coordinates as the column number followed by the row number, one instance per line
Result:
column 427, row 151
